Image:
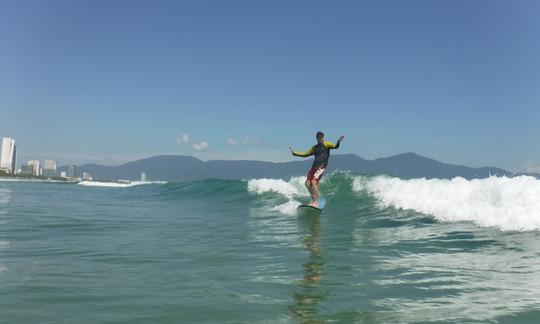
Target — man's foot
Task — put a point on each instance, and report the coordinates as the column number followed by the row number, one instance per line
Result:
column 314, row 204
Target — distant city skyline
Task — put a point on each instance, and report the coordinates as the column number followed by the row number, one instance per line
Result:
column 112, row 82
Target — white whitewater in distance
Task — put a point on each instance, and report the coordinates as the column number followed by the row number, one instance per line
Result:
column 112, row 184
column 508, row 204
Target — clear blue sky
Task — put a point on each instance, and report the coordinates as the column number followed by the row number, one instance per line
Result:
column 113, row 81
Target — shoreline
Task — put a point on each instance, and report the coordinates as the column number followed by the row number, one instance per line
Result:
column 88, row 183
column 24, row 179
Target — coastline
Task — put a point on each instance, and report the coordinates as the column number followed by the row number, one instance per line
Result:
column 35, row 179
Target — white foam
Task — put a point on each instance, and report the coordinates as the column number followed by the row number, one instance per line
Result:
column 291, row 188
column 288, row 208
column 127, row 184
column 510, row 204
column 32, row 180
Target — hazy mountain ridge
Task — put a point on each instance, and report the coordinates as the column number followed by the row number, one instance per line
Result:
column 180, row 167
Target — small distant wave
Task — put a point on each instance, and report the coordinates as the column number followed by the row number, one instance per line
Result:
column 509, row 204
column 32, row 180
column 118, row 184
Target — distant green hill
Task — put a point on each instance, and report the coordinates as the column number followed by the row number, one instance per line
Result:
column 179, row 167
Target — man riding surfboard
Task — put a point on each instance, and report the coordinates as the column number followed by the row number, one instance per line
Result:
column 321, row 150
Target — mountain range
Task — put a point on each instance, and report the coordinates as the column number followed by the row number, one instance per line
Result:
column 181, row 168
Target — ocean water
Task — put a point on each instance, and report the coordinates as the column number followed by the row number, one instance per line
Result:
column 385, row 250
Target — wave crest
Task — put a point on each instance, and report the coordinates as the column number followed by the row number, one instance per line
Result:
column 293, row 187
column 509, row 204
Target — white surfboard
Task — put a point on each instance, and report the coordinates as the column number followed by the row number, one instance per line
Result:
column 305, row 207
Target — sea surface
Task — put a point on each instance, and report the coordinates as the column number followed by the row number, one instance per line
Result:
column 385, row 250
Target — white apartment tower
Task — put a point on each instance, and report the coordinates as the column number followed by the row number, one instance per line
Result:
column 49, row 165
column 8, row 155
column 35, row 166
column 49, row 168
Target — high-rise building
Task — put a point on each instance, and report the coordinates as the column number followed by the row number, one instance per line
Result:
column 72, row 171
column 13, row 162
column 143, row 176
column 49, row 165
column 48, row 173
column 63, row 174
column 49, row 168
column 86, row 176
column 36, row 168
column 8, row 155
column 27, row 171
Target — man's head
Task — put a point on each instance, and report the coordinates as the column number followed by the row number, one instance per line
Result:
column 320, row 137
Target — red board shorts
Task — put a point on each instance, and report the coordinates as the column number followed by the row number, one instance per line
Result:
column 315, row 174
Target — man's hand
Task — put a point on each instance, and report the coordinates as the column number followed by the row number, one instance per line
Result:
column 290, row 149
column 341, row 138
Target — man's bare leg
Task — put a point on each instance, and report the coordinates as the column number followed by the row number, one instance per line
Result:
column 308, row 186
column 315, row 189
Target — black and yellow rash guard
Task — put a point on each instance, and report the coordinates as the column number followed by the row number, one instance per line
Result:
column 321, row 152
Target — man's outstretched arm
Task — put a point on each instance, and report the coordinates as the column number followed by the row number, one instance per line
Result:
column 331, row 145
column 302, row 154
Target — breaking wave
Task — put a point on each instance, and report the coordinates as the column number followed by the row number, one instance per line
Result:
column 508, row 204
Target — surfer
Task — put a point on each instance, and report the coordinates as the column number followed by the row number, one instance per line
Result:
column 322, row 152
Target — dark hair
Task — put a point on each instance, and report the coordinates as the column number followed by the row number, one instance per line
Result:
column 319, row 133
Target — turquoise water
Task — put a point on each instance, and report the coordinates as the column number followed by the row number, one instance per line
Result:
column 219, row 251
